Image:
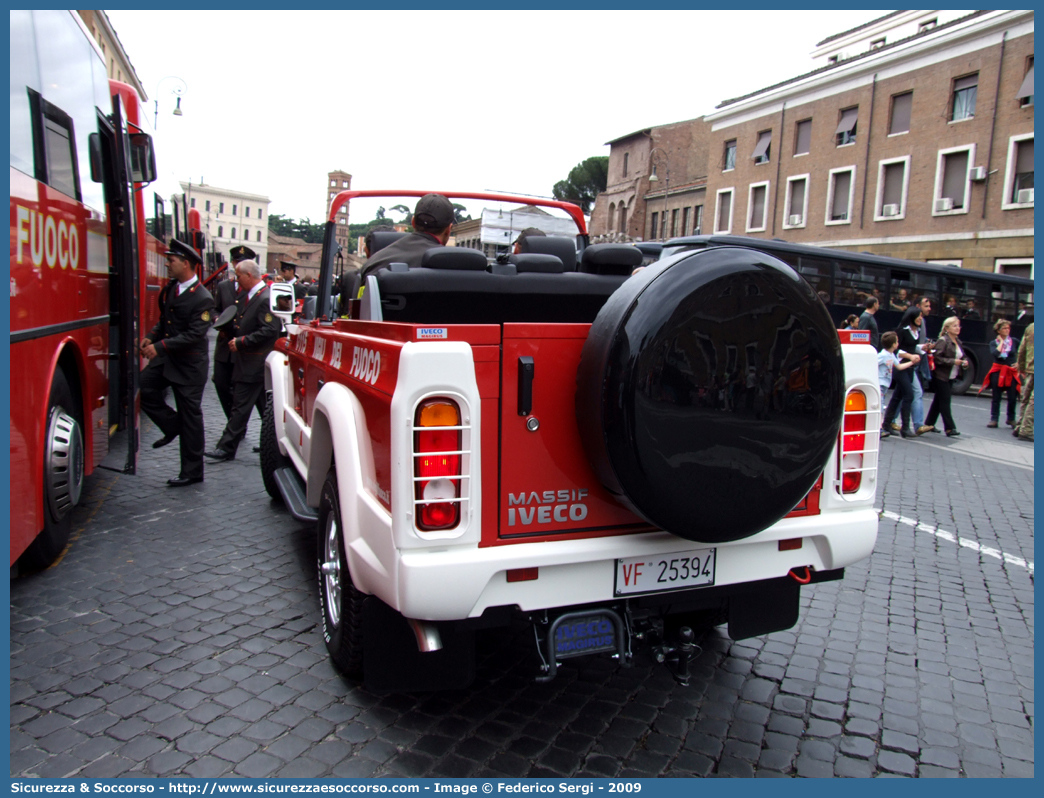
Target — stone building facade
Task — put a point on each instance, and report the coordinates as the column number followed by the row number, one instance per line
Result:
column 625, row 210
column 230, row 217
column 117, row 64
column 911, row 137
column 337, row 181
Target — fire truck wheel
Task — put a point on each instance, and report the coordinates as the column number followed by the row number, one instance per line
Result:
column 342, row 604
column 62, row 478
column 271, row 458
column 710, row 393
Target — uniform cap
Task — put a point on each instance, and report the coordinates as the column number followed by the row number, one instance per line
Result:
column 437, row 208
column 288, row 266
column 242, row 252
column 183, row 250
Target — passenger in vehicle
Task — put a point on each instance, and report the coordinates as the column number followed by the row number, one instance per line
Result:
column 432, row 224
column 529, row 232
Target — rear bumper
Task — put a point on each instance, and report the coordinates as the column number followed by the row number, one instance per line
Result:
column 461, row 582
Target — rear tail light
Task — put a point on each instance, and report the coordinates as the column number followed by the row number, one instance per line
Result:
column 858, row 451
column 437, row 464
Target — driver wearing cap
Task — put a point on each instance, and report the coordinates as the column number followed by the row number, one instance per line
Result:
column 432, row 224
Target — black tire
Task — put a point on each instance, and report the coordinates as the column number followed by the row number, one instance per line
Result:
column 666, row 415
column 341, row 603
column 62, row 477
column 271, row 458
column 966, row 377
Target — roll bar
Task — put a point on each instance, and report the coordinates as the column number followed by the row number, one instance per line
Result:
column 323, row 301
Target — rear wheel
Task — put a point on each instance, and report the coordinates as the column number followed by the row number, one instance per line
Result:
column 63, row 476
column 271, row 458
column 342, row 604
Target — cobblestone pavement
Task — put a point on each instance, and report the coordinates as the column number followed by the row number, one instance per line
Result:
column 179, row 636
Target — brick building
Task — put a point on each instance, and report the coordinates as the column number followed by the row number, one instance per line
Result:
column 337, row 181
column 634, row 208
column 912, row 137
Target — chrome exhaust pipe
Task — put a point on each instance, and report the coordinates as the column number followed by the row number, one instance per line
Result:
column 427, row 634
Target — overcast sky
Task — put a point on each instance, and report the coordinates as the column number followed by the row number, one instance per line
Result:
column 466, row 100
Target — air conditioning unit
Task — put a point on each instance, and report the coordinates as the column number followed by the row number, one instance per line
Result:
column 794, row 219
column 944, row 204
column 890, row 210
column 1025, row 195
column 977, row 173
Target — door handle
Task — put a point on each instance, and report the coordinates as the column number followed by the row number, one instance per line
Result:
column 526, row 372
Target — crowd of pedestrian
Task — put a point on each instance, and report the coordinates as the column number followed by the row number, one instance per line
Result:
column 908, row 362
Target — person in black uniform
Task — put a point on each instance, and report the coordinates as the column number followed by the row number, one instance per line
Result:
column 225, row 296
column 178, row 359
column 254, row 336
column 288, row 271
column 432, row 225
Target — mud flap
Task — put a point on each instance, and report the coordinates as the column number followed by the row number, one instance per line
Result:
column 769, row 606
column 392, row 663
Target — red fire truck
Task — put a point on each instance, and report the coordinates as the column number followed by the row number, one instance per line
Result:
column 86, row 263
column 610, row 459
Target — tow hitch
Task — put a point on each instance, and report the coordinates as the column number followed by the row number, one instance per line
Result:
column 677, row 657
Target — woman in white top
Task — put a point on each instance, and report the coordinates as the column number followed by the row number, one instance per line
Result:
column 949, row 360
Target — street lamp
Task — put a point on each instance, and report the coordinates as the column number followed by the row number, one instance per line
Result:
column 178, row 89
column 657, row 157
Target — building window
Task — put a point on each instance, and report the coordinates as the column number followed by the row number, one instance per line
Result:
column 902, row 105
column 192, row 202
column 221, row 207
column 333, row 184
column 258, row 213
column 259, row 236
column 246, row 234
column 627, row 157
column 233, row 233
column 234, row 209
column 757, row 204
column 730, row 155
column 248, row 211
column 833, row 59
column 803, row 137
column 697, row 220
column 877, row 44
column 893, row 178
column 332, row 195
column 723, row 212
column 623, row 218
column 839, row 195
column 207, row 206
column 1018, row 179
column 762, row 152
column 652, row 227
column 685, row 221
column 795, row 209
column 1025, row 95
column 927, row 25
column 952, row 180
column 846, row 128
column 1017, row 267
column 964, row 91
column 674, row 223
column 221, row 231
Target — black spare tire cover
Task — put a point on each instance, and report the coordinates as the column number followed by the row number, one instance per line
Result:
column 710, row 393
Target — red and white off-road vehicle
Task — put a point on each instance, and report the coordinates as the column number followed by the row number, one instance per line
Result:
column 610, row 458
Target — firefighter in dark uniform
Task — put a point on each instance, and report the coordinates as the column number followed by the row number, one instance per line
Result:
column 178, row 359
column 253, row 337
column 225, row 296
column 288, row 271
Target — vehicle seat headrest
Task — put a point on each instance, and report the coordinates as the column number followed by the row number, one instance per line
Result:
column 610, row 259
column 455, row 258
column 537, row 262
column 563, row 247
column 383, row 238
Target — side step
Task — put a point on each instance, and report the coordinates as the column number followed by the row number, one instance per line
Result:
column 293, row 490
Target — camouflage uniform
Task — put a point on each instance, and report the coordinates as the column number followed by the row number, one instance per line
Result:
column 1024, row 429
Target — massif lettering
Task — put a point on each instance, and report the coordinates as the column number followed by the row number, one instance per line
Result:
column 51, row 241
column 542, row 507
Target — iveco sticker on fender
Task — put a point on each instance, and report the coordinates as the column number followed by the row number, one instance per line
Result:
column 542, row 507
column 366, row 364
column 431, row 332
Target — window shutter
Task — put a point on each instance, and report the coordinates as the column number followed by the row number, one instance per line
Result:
column 966, row 83
column 1026, row 89
column 764, row 139
column 804, row 137
column 893, row 184
column 955, row 176
column 797, row 197
column 1024, row 159
column 848, row 120
column 842, row 187
column 901, row 107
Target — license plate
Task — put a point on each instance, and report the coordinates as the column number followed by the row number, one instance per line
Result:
column 588, row 635
column 667, row 572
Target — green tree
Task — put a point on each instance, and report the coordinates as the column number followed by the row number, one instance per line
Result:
column 459, row 214
column 406, row 212
column 584, row 182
